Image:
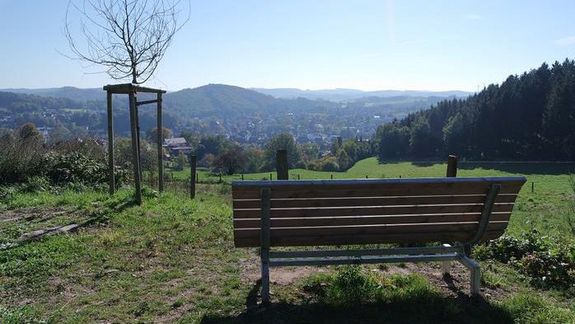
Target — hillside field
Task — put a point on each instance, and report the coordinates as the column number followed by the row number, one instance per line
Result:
column 541, row 209
column 173, row 260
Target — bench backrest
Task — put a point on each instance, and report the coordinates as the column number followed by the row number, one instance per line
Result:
column 344, row 212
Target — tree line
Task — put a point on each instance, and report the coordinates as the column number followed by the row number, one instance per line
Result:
column 527, row 117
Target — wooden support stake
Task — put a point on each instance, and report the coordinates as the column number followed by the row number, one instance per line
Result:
column 192, row 176
column 451, row 166
column 282, row 168
column 135, row 148
column 160, row 142
column 532, row 187
column 138, row 132
column 112, row 180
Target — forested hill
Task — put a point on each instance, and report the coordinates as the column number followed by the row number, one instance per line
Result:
column 527, row 117
column 231, row 101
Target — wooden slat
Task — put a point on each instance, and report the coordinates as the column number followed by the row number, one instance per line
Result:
column 380, row 229
column 389, row 181
column 368, row 210
column 371, row 201
column 368, row 220
column 368, row 190
column 253, row 241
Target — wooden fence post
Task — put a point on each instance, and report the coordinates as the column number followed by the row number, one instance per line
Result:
column 135, row 148
column 282, row 168
column 452, row 166
column 160, row 140
column 112, row 180
column 192, row 176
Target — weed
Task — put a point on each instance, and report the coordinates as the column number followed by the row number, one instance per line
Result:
column 530, row 308
column 23, row 314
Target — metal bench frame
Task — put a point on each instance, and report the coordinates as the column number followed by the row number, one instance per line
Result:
column 460, row 251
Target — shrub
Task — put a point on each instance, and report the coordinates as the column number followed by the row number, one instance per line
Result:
column 547, row 262
column 548, row 269
column 76, row 167
column 21, row 156
column 36, row 184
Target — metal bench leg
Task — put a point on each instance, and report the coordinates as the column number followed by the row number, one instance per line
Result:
column 445, row 265
column 265, row 244
column 475, row 270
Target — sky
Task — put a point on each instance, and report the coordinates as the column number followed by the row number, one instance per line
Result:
column 311, row 44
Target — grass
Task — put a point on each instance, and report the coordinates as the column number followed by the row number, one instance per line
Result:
column 544, row 209
column 172, row 259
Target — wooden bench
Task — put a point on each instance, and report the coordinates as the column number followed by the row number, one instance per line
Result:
column 459, row 211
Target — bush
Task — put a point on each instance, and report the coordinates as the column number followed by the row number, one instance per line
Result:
column 77, row 168
column 547, row 269
column 21, row 154
column 74, row 167
column 36, row 184
column 548, row 263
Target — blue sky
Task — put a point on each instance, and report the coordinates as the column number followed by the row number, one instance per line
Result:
column 312, row 44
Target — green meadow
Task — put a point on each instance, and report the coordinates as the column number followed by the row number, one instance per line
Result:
column 173, row 260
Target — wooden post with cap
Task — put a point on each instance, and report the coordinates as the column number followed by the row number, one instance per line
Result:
column 282, row 168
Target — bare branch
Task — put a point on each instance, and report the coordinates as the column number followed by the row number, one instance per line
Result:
column 128, row 38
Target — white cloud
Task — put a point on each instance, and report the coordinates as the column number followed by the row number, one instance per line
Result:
column 565, row 41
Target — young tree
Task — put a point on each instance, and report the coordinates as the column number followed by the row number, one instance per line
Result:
column 282, row 141
column 129, row 38
column 152, row 134
column 231, row 161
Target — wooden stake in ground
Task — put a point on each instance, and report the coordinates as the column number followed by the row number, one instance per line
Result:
column 160, row 140
column 282, row 168
column 193, row 176
column 451, row 166
column 135, row 148
column 112, row 180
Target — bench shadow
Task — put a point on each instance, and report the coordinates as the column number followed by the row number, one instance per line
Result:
column 426, row 308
